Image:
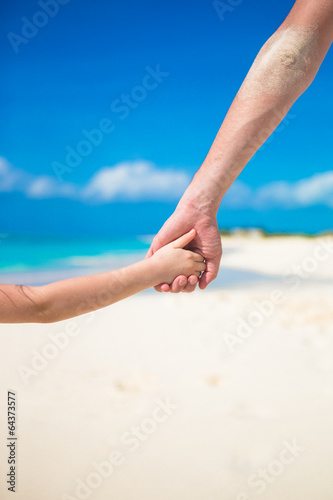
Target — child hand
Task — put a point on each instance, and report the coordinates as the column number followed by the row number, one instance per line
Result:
column 172, row 260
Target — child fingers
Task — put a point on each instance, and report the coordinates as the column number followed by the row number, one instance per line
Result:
column 197, row 257
column 185, row 239
column 200, row 266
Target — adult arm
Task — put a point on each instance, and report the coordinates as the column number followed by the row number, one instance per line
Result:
column 282, row 71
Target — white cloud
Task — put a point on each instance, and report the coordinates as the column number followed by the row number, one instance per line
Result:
column 47, row 187
column 142, row 180
column 315, row 190
column 12, row 179
column 139, row 180
column 238, row 196
column 3, row 166
column 127, row 181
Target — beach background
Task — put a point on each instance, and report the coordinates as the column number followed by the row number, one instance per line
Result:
column 108, row 110
column 225, row 393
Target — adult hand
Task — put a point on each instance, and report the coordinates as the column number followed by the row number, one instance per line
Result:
column 207, row 243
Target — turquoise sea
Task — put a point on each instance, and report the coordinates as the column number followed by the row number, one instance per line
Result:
column 37, row 261
column 40, row 260
column 22, row 254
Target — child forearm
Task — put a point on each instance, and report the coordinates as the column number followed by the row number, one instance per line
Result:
column 68, row 298
column 72, row 297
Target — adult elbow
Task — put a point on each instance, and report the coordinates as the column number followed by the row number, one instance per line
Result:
column 285, row 66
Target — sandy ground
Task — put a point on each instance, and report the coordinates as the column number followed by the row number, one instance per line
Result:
column 225, row 394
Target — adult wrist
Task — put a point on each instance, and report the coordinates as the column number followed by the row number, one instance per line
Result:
column 201, row 197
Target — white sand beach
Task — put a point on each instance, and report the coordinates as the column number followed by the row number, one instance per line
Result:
column 224, row 394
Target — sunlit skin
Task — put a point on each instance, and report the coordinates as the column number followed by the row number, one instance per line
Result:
column 68, row 298
column 248, row 123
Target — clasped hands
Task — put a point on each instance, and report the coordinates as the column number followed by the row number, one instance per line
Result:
column 207, row 243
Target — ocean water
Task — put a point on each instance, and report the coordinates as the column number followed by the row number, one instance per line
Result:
column 41, row 260
column 22, row 254
column 37, row 261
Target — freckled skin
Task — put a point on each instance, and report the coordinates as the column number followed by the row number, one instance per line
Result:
column 258, row 108
column 288, row 58
column 282, row 63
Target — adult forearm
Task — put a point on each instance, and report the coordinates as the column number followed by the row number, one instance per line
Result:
column 282, row 71
column 244, row 130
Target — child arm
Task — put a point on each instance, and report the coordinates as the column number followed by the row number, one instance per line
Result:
column 68, row 298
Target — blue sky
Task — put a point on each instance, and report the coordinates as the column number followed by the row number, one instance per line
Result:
column 157, row 78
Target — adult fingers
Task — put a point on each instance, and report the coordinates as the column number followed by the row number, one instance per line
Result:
column 156, row 244
column 150, row 252
column 178, row 284
column 191, row 284
column 162, row 287
column 212, row 269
